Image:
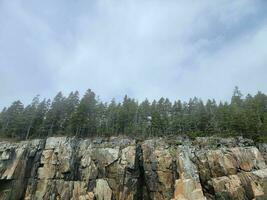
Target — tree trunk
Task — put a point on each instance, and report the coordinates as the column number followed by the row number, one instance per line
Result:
column 28, row 131
column 51, row 129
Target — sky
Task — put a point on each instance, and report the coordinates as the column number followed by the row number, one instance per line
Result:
column 144, row 48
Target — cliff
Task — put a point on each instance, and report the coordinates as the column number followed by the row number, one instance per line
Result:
column 125, row 169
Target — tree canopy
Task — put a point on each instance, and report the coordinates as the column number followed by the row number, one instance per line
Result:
column 89, row 116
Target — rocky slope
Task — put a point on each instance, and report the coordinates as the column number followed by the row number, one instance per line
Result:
column 125, row 169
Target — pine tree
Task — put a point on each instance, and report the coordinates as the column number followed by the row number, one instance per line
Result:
column 71, row 104
column 102, row 119
column 29, row 115
column 39, row 128
column 84, row 118
column 144, row 118
column 13, row 120
column 127, row 116
column 238, row 116
column 55, row 116
column 112, row 118
column 212, row 123
column 177, row 125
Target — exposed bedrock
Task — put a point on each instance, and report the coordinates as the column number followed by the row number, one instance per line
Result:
column 120, row 168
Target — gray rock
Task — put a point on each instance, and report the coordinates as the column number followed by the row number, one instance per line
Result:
column 119, row 168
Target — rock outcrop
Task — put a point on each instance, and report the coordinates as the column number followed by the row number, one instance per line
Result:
column 120, row 168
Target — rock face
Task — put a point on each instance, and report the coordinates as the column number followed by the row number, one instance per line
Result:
column 119, row 168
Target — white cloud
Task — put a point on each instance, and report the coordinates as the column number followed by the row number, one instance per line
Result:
column 176, row 49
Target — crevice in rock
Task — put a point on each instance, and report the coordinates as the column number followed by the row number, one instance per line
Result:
column 5, row 186
column 32, row 165
column 73, row 174
column 91, row 185
column 207, row 188
column 142, row 189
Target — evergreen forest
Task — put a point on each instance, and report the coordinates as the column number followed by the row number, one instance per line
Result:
column 88, row 116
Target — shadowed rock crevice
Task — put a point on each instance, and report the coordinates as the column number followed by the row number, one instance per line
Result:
column 5, row 186
column 142, row 188
column 204, row 174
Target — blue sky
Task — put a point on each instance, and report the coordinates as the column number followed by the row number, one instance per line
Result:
column 145, row 48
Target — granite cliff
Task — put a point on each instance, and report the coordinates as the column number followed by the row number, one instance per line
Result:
column 119, row 168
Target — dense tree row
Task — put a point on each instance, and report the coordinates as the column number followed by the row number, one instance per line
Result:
column 89, row 116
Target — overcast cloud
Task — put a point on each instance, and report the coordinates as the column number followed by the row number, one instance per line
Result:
column 144, row 48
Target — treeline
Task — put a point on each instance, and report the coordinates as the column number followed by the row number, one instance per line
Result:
column 88, row 116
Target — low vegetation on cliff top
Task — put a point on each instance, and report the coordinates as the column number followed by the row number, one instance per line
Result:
column 88, row 116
